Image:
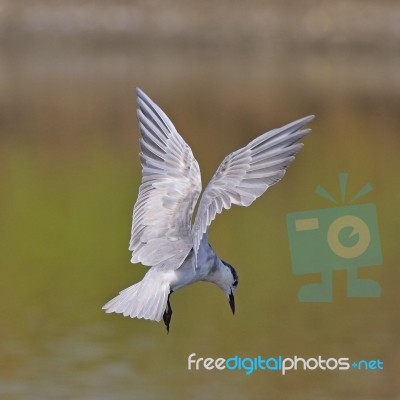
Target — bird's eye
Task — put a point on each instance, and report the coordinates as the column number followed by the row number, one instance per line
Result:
column 235, row 283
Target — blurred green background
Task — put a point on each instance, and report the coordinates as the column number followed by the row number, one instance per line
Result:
column 224, row 72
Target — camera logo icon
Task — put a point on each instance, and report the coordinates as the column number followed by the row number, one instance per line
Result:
column 344, row 237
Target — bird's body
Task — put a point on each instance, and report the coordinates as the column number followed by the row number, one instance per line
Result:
column 147, row 299
column 163, row 236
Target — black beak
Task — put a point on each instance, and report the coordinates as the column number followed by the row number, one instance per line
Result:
column 232, row 302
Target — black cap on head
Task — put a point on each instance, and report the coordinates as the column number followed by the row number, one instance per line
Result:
column 234, row 273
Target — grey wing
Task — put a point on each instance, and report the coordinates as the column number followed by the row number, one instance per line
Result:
column 170, row 187
column 247, row 173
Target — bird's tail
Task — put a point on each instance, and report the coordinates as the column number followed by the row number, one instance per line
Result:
column 146, row 299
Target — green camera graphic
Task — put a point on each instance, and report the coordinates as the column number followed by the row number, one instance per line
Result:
column 343, row 237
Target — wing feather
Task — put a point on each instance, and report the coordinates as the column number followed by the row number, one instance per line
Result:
column 170, row 187
column 247, row 173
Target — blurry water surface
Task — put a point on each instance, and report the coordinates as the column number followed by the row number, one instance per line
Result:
column 69, row 174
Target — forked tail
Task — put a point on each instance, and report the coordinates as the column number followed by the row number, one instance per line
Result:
column 146, row 299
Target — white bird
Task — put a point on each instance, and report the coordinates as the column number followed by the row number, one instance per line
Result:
column 163, row 236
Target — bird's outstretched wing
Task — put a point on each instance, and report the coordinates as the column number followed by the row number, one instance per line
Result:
column 170, row 187
column 247, row 173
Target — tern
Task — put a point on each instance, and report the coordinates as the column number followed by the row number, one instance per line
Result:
column 163, row 236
